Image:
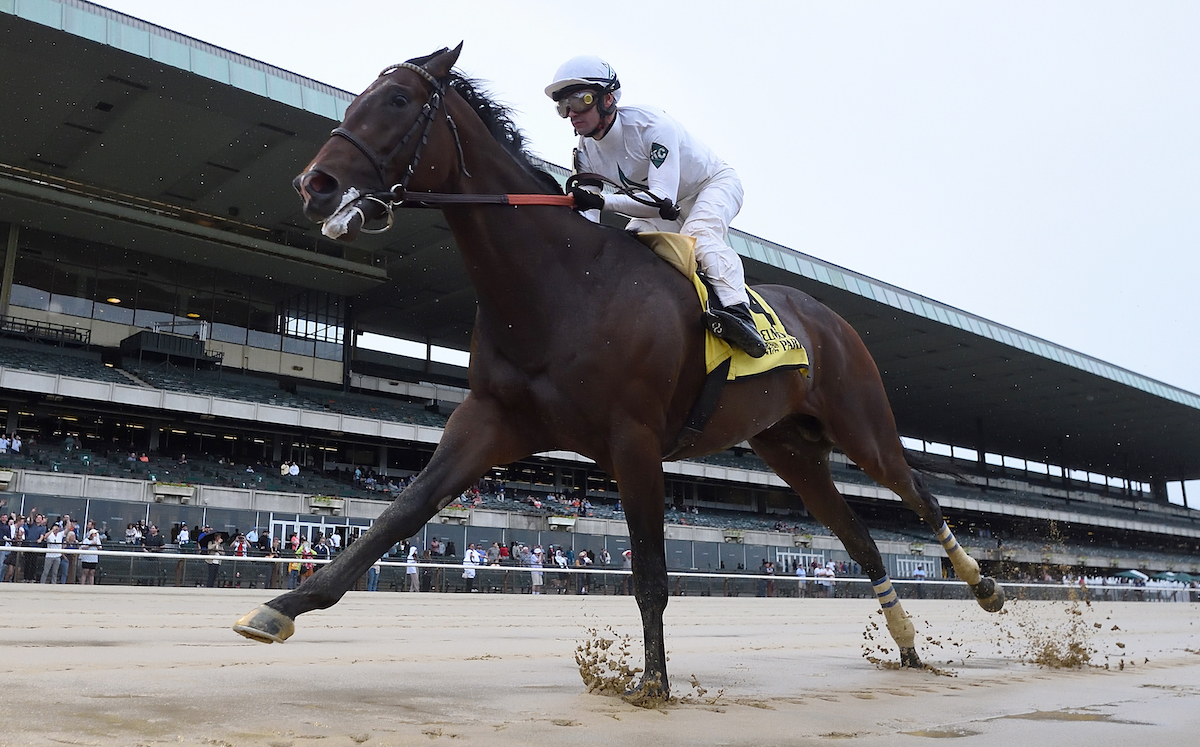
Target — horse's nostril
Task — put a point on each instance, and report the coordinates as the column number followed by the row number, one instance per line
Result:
column 320, row 183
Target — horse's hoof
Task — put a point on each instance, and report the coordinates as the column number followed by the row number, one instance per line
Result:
column 989, row 594
column 265, row 625
column 909, row 659
column 649, row 692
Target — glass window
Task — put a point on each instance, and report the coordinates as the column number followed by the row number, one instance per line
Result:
column 126, row 37
column 71, row 305
column 285, row 91
column 248, row 78
column 341, row 107
column 171, row 52
column 147, row 318
column 297, row 346
column 113, row 313
column 88, row 25
column 319, row 102
column 45, row 12
column 210, row 65
column 30, row 298
column 329, row 351
column 265, row 340
column 836, row 279
column 228, row 333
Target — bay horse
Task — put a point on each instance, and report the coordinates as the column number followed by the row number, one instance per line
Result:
column 586, row 341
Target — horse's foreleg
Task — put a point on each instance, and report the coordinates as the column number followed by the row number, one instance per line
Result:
column 803, row 465
column 475, row 439
column 639, row 475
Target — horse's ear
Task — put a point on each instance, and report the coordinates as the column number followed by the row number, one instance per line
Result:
column 440, row 64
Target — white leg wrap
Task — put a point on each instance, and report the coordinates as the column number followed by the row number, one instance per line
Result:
column 898, row 623
column 964, row 565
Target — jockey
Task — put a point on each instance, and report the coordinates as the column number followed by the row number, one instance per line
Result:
column 645, row 149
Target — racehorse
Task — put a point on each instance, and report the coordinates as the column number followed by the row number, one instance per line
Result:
column 586, row 341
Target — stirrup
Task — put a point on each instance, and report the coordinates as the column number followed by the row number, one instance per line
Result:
column 733, row 325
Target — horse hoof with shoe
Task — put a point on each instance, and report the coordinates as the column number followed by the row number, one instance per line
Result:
column 613, row 380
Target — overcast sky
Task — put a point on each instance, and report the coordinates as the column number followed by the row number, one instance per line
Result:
column 1035, row 163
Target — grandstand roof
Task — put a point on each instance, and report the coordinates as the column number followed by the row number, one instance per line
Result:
column 135, row 135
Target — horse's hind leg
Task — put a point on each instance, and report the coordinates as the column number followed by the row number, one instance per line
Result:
column 873, row 444
column 803, row 464
column 476, row 437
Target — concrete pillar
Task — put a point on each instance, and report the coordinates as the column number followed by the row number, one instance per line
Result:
column 155, row 428
column 276, row 449
column 1158, row 488
column 383, row 459
column 10, row 266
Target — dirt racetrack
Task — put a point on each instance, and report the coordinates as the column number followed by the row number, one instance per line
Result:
column 147, row 666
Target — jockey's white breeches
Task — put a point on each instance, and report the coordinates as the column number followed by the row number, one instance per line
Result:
column 706, row 217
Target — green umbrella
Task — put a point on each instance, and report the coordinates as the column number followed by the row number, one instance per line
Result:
column 1172, row 576
column 1135, row 575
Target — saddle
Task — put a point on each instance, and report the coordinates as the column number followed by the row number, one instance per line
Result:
column 722, row 361
column 783, row 349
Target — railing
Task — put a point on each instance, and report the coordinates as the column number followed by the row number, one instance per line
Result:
column 33, row 330
column 183, row 569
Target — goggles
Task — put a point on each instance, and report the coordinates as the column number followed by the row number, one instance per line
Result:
column 578, row 102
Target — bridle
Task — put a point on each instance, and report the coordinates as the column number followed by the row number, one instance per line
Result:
column 397, row 195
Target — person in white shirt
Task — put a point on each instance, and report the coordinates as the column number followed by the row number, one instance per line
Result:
column 4, row 442
column 645, row 149
column 16, row 443
column 471, row 558
column 413, row 583
column 54, row 542
column 89, row 561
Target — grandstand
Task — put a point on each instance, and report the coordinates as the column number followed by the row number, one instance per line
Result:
column 161, row 293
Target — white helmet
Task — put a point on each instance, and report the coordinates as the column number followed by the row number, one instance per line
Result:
column 585, row 70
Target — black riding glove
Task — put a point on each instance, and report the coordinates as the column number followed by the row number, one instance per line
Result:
column 667, row 210
column 585, row 200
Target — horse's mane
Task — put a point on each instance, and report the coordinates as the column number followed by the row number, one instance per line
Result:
column 497, row 118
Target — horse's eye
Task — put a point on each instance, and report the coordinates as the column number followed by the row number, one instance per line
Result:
column 399, row 100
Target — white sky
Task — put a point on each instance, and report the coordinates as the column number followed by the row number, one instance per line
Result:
column 1035, row 163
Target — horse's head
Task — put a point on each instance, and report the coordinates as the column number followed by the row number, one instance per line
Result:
column 394, row 138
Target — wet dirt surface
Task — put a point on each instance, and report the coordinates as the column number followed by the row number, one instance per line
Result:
column 142, row 666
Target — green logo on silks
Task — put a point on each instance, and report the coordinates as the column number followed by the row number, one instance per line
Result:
column 658, row 154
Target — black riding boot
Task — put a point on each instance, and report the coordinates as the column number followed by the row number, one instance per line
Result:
column 735, row 325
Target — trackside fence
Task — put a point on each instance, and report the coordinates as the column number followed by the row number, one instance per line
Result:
column 140, row 568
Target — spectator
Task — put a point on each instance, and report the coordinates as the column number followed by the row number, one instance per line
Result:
column 216, row 549
column 53, row 540
column 184, row 536
column 89, row 561
column 414, row 583
column 583, row 561
column 16, row 443
column 154, row 541
column 293, row 469
column 536, row 578
column 470, row 559
column 373, row 575
column 33, row 563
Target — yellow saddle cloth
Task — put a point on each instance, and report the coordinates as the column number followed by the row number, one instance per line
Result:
column 783, row 349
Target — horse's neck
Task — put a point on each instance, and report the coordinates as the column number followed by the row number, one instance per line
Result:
column 514, row 252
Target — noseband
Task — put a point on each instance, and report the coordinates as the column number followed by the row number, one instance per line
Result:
column 389, row 198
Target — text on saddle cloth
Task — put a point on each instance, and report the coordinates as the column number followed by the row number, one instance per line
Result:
column 783, row 349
